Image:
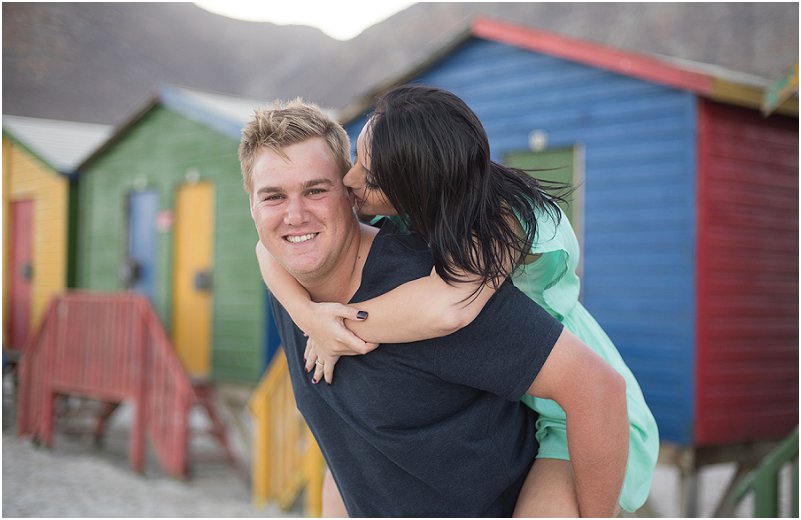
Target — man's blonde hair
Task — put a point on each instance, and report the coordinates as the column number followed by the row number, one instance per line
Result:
column 285, row 124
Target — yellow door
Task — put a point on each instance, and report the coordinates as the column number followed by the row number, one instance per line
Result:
column 192, row 268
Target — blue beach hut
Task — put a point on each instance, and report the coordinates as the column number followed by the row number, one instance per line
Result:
column 686, row 212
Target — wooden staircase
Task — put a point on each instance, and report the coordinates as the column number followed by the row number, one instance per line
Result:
column 111, row 348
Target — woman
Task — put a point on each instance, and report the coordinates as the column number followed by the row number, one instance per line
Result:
column 424, row 156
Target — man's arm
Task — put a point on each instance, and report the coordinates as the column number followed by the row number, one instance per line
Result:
column 593, row 396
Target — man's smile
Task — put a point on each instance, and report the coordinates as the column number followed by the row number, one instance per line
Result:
column 296, row 239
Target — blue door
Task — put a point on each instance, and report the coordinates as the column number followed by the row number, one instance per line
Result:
column 140, row 269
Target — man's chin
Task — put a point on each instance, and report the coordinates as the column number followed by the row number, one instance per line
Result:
column 303, row 271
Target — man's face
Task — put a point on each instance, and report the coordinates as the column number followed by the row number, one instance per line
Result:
column 302, row 211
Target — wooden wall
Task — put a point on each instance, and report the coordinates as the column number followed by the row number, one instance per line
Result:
column 26, row 177
column 638, row 145
column 747, row 368
column 157, row 153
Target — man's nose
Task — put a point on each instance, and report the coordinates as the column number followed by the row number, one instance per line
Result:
column 295, row 211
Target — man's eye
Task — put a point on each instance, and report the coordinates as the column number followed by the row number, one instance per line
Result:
column 272, row 198
column 315, row 191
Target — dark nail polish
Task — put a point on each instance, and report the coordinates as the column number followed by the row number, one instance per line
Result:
column 362, row 315
column 314, row 381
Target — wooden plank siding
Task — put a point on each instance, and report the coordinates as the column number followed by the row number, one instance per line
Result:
column 639, row 166
column 747, row 368
column 27, row 178
column 157, row 152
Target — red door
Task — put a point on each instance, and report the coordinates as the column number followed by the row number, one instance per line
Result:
column 21, row 272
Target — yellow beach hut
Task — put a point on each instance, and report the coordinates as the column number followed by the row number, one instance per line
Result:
column 39, row 158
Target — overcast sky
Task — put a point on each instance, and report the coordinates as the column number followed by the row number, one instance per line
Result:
column 340, row 19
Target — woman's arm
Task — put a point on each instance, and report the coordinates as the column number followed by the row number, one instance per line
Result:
column 427, row 307
column 421, row 309
column 395, row 317
column 318, row 320
column 335, row 330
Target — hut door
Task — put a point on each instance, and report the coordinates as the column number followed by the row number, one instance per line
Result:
column 192, row 281
column 560, row 168
column 140, row 266
column 563, row 165
column 21, row 272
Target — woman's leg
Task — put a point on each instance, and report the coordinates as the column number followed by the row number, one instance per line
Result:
column 549, row 491
column 333, row 505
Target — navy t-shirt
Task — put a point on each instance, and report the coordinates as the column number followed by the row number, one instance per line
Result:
column 431, row 428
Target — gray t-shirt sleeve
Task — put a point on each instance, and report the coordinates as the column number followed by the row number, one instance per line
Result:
column 504, row 348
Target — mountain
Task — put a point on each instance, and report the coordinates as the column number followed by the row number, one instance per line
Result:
column 98, row 62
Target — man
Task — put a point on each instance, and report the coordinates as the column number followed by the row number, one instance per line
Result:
column 435, row 428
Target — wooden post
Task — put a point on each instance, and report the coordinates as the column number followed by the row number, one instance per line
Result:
column 315, row 471
column 48, row 396
column 139, row 426
column 688, row 484
column 794, row 489
column 766, row 496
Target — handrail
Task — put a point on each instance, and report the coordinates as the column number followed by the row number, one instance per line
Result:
column 169, row 397
column 29, row 404
column 112, row 347
column 764, row 480
column 286, row 458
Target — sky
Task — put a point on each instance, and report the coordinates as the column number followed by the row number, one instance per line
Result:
column 340, row 19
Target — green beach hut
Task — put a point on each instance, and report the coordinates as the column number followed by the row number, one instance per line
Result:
column 162, row 212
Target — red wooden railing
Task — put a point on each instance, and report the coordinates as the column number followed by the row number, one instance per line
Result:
column 109, row 347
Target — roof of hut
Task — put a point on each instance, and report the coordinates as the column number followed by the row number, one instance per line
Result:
column 225, row 114
column 706, row 80
column 62, row 145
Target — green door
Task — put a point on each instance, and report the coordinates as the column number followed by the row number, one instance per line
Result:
column 564, row 165
column 558, row 165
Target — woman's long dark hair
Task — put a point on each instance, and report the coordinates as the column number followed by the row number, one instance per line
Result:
column 430, row 156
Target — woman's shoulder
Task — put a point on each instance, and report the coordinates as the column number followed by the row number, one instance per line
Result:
column 394, row 223
column 554, row 232
column 394, row 232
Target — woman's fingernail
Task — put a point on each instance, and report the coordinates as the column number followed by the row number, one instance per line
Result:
column 314, row 381
column 362, row 315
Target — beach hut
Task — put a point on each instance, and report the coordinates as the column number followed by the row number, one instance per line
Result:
column 39, row 161
column 686, row 212
column 162, row 212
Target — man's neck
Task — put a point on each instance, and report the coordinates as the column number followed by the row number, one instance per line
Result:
column 342, row 283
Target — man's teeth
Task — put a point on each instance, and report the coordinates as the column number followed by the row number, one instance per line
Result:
column 300, row 238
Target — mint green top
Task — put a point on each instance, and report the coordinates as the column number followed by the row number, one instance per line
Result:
column 552, row 282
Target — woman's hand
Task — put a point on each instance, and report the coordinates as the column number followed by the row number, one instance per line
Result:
column 329, row 338
column 323, row 323
column 322, row 364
